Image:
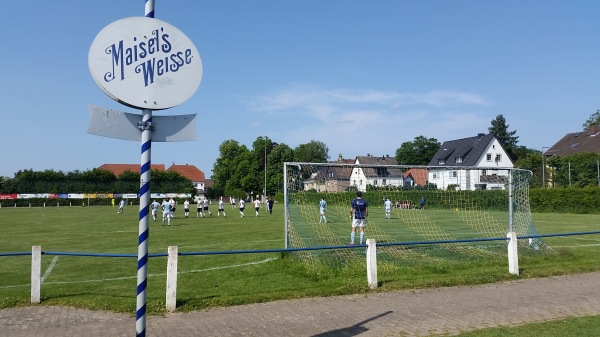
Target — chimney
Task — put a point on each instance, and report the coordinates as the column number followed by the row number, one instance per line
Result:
column 479, row 135
column 340, row 158
column 592, row 129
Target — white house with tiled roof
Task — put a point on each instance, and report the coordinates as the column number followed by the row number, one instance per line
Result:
column 191, row 172
column 376, row 176
column 482, row 152
column 334, row 178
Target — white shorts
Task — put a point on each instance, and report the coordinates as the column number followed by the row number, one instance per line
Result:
column 322, row 211
column 359, row 223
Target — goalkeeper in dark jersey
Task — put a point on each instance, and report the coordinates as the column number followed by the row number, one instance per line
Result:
column 359, row 211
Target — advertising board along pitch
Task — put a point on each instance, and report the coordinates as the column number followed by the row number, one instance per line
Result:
column 145, row 63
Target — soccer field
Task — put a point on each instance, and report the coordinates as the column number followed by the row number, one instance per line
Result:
column 216, row 280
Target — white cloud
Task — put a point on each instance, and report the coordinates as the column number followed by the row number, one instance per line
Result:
column 355, row 122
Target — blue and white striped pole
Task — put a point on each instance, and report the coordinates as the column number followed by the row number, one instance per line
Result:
column 144, row 232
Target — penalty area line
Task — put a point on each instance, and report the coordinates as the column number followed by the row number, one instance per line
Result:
column 150, row 275
column 49, row 269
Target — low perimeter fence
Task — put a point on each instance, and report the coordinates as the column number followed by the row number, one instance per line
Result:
column 371, row 259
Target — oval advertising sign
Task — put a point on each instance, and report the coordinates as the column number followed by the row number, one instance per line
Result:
column 145, row 63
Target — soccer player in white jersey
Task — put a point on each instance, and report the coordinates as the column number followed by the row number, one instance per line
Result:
column 199, row 209
column 388, row 208
column 173, row 205
column 206, row 202
column 322, row 205
column 221, row 208
column 186, row 207
column 242, row 207
column 256, row 205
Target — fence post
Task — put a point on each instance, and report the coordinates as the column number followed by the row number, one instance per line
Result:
column 372, row 263
column 172, row 279
column 36, row 271
column 513, row 254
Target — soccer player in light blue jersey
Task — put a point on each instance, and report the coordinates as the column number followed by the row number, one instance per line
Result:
column 155, row 205
column 322, row 205
column 359, row 211
column 121, row 206
column 388, row 208
column 166, row 207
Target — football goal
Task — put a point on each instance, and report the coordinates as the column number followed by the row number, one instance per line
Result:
column 437, row 213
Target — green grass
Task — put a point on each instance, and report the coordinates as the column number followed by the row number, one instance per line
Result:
column 574, row 326
column 222, row 280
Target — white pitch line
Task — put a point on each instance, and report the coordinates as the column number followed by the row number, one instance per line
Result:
column 577, row 246
column 49, row 269
column 151, row 275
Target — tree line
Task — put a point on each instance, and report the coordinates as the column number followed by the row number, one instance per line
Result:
column 239, row 171
column 92, row 181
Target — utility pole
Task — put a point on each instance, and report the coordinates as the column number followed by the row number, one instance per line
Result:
column 544, row 167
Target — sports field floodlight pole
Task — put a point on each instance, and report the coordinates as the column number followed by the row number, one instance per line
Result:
column 265, row 185
column 544, row 167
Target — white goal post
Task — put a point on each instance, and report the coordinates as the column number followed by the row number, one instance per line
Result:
column 428, row 204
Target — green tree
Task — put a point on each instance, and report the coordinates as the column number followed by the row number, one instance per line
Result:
column 532, row 160
column 594, row 119
column 576, row 170
column 506, row 138
column 280, row 154
column 312, row 152
column 245, row 175
column 171, row 181
column 96, row 180
column 224, row 166
column 418, row 152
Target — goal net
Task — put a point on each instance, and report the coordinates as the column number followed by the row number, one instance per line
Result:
column 453, row 207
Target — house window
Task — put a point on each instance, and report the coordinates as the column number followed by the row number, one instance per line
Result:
column 453, row 174
column 458, row 159
column 440, row 161
column 354, row 183
column 375, row 182
column 498, row 157
column 488, row 157
column 383, row 182
column 434, row 175
column 360, row 181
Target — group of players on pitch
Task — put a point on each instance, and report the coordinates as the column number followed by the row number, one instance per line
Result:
column 168, row 208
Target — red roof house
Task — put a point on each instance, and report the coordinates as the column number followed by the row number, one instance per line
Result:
column 117, row 169
column 192, row 173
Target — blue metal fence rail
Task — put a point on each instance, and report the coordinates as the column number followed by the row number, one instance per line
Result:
column 284, row 250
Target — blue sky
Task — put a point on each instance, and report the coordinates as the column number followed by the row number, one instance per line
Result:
column 360, row 76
